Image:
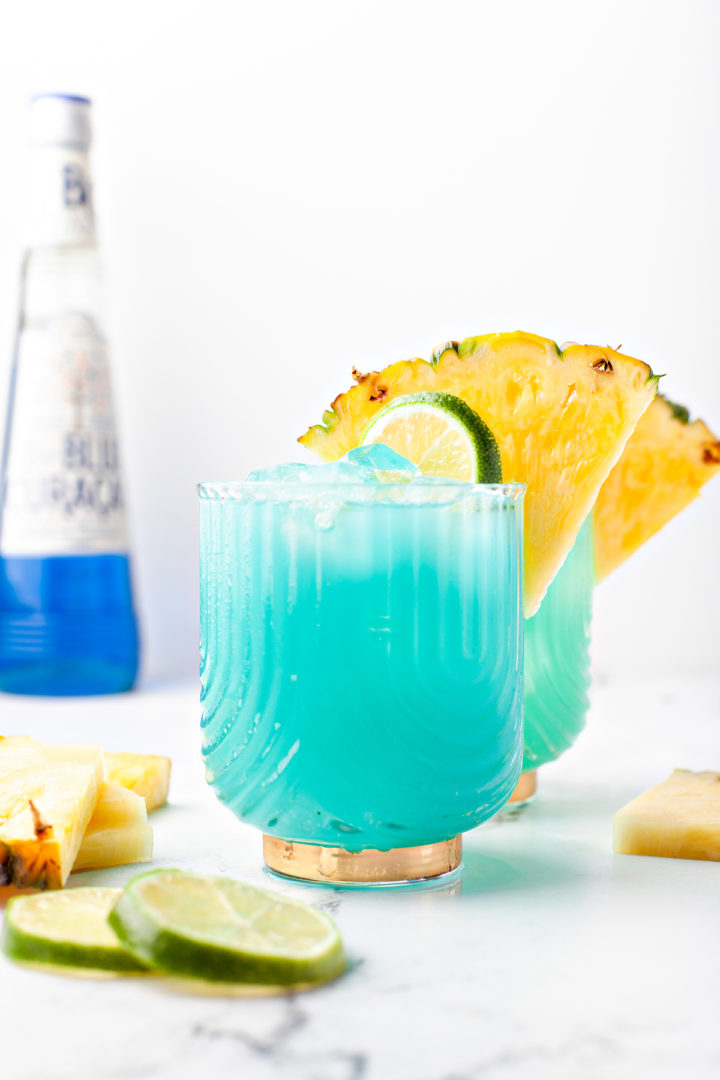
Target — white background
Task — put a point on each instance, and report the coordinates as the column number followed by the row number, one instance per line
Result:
column 290, row 189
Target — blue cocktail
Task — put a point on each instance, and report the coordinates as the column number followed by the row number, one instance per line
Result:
column 557, row 664
column 361, row 647
column 557, row 657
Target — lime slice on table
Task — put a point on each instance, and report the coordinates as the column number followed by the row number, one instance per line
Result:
column 221, row 930
column 68, row 928
column 440, row 434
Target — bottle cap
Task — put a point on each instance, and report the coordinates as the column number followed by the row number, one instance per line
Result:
column 60, row 120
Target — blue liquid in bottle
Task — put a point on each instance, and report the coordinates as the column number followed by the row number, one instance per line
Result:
column 67, row 625
column 67, row 621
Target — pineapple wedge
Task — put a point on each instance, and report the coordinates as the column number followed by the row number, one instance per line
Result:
column 117, row 808
column 678, row 819
column 119, row 846
column 561, row 418
column 47, row 797
column 146, row 774
column 663, row 467
column 118, row 831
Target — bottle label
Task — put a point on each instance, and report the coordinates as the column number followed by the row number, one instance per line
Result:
column 63, row 493
column 60, row 205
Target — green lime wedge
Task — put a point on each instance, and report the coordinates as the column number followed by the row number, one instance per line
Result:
column 221, row 930
column 67, row 929
column 440, row 434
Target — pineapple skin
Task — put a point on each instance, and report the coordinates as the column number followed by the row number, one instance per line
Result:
column 666, row 462
column 539, row 401
column 678, row 819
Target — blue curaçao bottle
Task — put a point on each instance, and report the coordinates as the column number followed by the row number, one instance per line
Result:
column 67, row 621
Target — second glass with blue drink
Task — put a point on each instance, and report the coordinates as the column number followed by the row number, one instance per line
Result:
column 361, row 659
column 557, row 664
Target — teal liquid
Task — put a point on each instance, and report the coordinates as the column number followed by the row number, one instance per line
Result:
column 361, row 661
column 557, row 658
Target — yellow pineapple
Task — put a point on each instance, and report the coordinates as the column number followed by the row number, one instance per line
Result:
column 118, row 831
column 117, row 807
column 662, row 469
column 561, row 419
column 47, row 797
column 119, row 846
column 146, row 774
column 678, row 819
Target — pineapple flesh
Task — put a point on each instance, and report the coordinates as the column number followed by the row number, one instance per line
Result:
column 118, row 846
column 47, row 798
column 146, row 774
column 678, row 819
column 113, row 832
column 561, row 419
column 662, row 469
column 118, row 831
column 117, row 807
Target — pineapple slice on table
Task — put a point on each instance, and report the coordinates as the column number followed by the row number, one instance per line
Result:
column 561, row 419
column 662, row 469
column 47, row 797
column 146, row 774
column 103, row 848
column 678, row 819
column 117, row 808
column 118, row 804
column 118, row 832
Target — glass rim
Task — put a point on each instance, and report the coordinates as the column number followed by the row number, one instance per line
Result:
column 221, row 490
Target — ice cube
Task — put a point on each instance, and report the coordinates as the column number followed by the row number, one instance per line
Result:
column 344, row 472
column 290, row 471
column 335, row 472
column 372, row 463
column 380, row 458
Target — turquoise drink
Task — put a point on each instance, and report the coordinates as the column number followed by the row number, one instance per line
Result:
column 557, row 657
column 557, row 664
column 361, row 657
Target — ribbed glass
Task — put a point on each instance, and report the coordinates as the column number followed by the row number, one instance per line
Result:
column 557, row 657
column 361, row 657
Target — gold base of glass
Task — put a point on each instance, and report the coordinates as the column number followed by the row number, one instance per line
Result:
column 336, row 866
column 524, row 792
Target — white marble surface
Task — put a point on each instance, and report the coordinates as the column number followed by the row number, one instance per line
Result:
column 551, row 957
